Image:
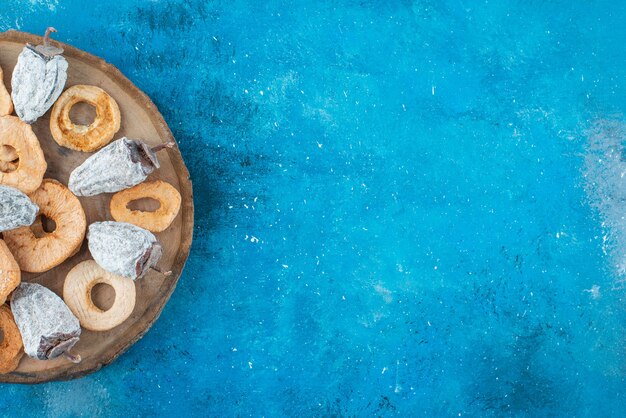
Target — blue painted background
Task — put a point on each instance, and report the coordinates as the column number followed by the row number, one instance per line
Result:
column 402, row 208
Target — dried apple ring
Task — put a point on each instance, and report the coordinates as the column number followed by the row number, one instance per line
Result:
column 11, row 347
column 156, row 221
column 90, row 137
column 6, row 104
column 37, row 253
column 10, row 274
column 8, row 158
column 21, row 147
column 77, row 295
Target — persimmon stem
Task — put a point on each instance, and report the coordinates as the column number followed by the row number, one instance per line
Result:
column 165, row 273
column 163, row 146
column 74, row 358
column 46, row 37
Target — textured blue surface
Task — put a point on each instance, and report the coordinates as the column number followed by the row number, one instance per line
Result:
column 402, row 208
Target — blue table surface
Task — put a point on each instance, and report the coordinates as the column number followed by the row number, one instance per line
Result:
column 403, row 208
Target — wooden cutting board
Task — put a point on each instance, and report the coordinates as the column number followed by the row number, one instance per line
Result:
column 140, row 120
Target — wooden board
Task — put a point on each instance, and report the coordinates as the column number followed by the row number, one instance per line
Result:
column 140, row 120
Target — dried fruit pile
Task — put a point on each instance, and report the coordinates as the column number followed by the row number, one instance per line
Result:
column 33, row 319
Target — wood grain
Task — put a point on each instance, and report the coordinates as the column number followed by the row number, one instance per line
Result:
column 140, row 120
